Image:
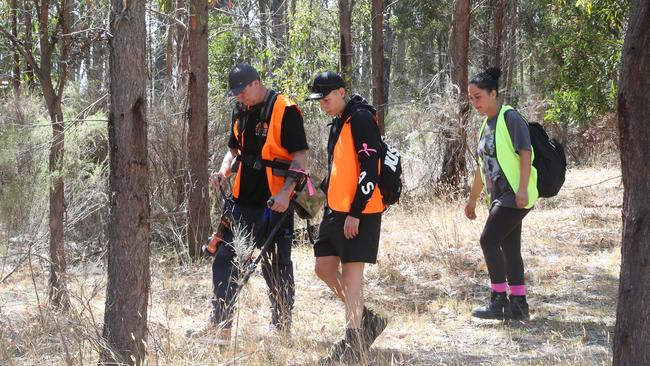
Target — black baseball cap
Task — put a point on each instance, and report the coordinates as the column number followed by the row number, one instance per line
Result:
column 240, row 76
column 323, row 84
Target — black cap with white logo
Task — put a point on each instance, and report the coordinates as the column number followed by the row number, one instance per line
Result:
column 240, row 76
column 323, row 84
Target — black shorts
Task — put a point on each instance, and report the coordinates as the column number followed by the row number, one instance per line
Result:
column 362, row 248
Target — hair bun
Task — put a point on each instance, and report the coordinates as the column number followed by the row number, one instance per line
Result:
column 494, row 72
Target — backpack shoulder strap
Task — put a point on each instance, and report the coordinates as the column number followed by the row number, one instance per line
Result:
column 237, row 114
column 267, row 108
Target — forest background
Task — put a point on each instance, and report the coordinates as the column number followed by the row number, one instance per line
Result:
column 561, row 62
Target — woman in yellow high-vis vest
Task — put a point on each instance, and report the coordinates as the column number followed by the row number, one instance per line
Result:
column 506, row 172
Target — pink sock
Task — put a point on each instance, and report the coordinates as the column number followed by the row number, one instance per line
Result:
column 518, row 290
column 499, row 287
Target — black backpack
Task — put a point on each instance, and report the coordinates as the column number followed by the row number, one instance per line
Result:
column 550, row 161
column 390, row 176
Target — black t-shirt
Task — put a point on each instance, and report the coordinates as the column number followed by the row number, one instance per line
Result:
column 253, row 184
column 496, row 183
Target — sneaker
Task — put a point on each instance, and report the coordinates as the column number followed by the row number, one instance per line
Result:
column 496, row 308
column 518, row 308
column 348, row 350
column 373, row 325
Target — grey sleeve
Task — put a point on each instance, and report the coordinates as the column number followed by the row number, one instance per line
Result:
column 518, row 130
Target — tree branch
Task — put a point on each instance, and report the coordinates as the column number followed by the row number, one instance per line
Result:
column 63, row 25
column 170, row 16
column 18, row 45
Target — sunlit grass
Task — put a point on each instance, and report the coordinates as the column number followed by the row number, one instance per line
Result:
column 430, row 273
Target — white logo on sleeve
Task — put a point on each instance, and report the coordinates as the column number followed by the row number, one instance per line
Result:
column 392, row 158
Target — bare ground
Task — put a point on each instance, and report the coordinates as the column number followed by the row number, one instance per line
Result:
column 429, row 275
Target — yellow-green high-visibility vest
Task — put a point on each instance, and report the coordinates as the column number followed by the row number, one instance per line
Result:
column 508, row 158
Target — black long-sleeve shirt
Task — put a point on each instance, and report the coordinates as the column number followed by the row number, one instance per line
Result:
column 367, row 143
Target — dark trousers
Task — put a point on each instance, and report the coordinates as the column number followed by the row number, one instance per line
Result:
column 501, row 244
column 277, row 267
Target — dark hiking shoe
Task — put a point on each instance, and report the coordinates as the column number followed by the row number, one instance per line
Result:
column 372, row 325
column 518, row 308
column 496, row 308
column 349, row 350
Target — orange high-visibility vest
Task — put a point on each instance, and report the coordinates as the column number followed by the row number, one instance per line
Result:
column 272, row 148
column 344, row 176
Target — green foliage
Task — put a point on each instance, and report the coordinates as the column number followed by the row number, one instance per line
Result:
column 25, row 137
column 581, row 42
column 423, row 27
column 165, row 6
column 570, row 50
column 22, row 163
column 226, row 48
column 312, row 49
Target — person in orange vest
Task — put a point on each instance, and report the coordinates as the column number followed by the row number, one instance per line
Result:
column 268, row 139
column 348, row 236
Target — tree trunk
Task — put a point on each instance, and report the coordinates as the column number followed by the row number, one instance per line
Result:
column 169, row 56
column 262, row 4
column 152, row 70
column 58, row 296
column 74, row 64
column 512, row 52
column 454, row 164
column 182, row 53
column 198, row 218
column 29, row 41
column 495, row 52
column 97, row 62
column 377, row 15
column 632, row 331
column 389, row 41
column 127, row 291
column 484, row 29
column 441, row 60
column 279, row 30
column 362, row 76
column 96, row 68
column 399, row 55
column 15, row 79
column 345, row 39
column 158, row 54
column 521, row 71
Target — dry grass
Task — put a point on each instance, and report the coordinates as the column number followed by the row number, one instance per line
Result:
column 429, row 275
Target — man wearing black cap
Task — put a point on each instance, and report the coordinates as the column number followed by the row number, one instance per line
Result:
column 268, row 139
column 349, row 233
